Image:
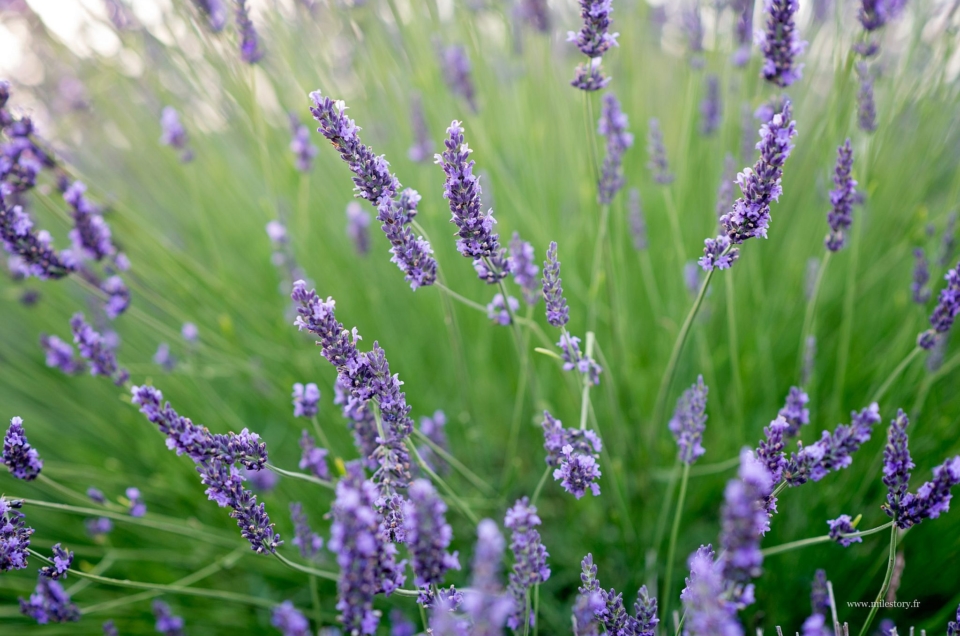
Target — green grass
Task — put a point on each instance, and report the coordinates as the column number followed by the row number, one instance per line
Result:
column 195, row 235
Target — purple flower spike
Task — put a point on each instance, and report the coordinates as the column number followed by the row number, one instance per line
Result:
column 919, row 290
column 303, row 151
column 457, row 74
column 711, row 109
column 367, row 561
column 358, row 224
column 953, row 627
column 574, row 359
column 118, row 297
column 557, row 311
column 313, row 458
column 250, row 51
column 305, row 399
column 214, row 11
column 874, row 14
column 745, row 520
column 589, row 76
column 832, row 451
column 897, row 465
column 770, row 449
column 167, row 624
column 556, row 438
column 428, row 535
column 289, row 621
column 97, row 526
column 578, row 472
column 110, row 629
column 374, row 182
column 645, row 609
column 189, row 332
column 14, row 536
column 49, row 603
column 795, row 411
column 30, row 252
column 689, row 421
column 593, row 39
column 307, row 541
column 658, row 154
column 90, row 235
column 613, row 126
column 842, row 198
column 476, row 238
column 525, row 272
column 866, row 107
column 174, row 134
column 137, row 507
column 948, row 306
column 932, row 498
column 499, row 311
column 780, row 43
column 530, row 560
column 692, row 26
column 585, row 611
column 840, row 526
column 704, row 599
column 820, row 593
column 485, row 602
column 62, row 559
column 743, row 31
column 23, row 460
column 718, row 253
column 95, row 350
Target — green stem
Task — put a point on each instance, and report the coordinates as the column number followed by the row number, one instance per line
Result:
column 543, row 480
column 895, row 374
column 595, row 268
column 43, row 478
column 587, row 384
column 330, row 576
column 471, row 476
column 665, row 508
column 802, row 543
column 319, row 431
column 461, row 299
column 735, row 353
column 674, row 225
column 891, row 558
column 313, row 480
column 666, row 593
column 808, row 316
column 315, row 599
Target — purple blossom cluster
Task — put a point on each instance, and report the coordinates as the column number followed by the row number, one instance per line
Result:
column 743, row 31
column 96, row 350
column 948, row 306
column 363, row 377
column 613, row 125
column 689, row 421
column 360, row 420
column 62, row 559
column 691, row 22
column 250, row 50
column 49, row 603
column 428, row 535
column 306, row 398
column 557, row 312
column 750, row 215
column 523, row 269
column 919, row 291
column 574, row 454
column 501, row 312
column 657, row 152
column 842, row 198
column 530, row 561
column 374, row 182
column 289, row 620
column 874, row 14
column 457, row 73
column 711, row 108
column 780, row 43
column 866, row 106
column 312, row 457
column 215, row 13
column 744, row 519
column 216, row 457
column 535, row 13
column 573, row 358
column 31, row 253
column 820, row 593
column 367, row 560
column 167, row 623
column 608, row 609
column 841, row 526
column 593, row 39
column 303, row 151
column 20, row 458
column 953, row 627
column 136, row 506
column 476, row 238
column 795, row 411
column 308, row 542
column 833, row 451
column 173, row 133
column 708, row 609
column 14, row 536
column 90, row 235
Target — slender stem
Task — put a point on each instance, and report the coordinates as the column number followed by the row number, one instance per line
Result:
column 666, row 594
column 665, row 474
column 665, row 508
column 734, row 346
column 598, row 249
column 536, row 609
column 587, row 383
column 330, row 576
column 461, row 299
column 543, row 480
column 675, row 225
column 808, row 316
column 43, row 478
column 802, row 543
column 518, row 403
column 223, row 595
column 471, row 476
column 305, row 477
column 105, row 563
column 891, row 558
column 319, row 431
column 668, row 374
column 315, row 598
column 179, row 527
column 526, row 613
column 895, row 374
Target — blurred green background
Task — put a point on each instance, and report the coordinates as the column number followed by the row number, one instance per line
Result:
column 195, row 235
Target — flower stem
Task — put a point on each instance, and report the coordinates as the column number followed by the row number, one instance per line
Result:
column 891, row 558
column 319, row 431
column 461, row 299
column 802, row 543
column 674, row 531
column 543, row 480
column 471, row 476
column 808, row 316
column 330, row 576
column 895, row 374
column 303, row 476
column 585, row 394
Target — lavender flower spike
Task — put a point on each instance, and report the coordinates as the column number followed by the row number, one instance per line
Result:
column 167, row 624
column 689, row 421
column 307, row 541
column 832, row 451
column 23, row 461
column 457, row 74
column 780, row 43
column 215, row 13
column 174, row 134
column 313, row 457
column 842, row 198
column 305, row 399
column 593, row 40
column 948, row 306
column 31, row 254
column 476, row 238
column 484, row 602
column 795, row 411
column 840, row 526
column 658, row 154
column 530, row 560
column 750, row 215
column 743, row 31
column 919, row 290
column 500, row 311
column 524, row 271
column 586, row 366
column 90, row 235
column 62, row 559
column 14, row 536
column 613, row 126
column 289, row 621
column 303, row 151
column 708, row 611
column 866, row 107
column 250, row 50
column 932, row 498
column 744, row 521
column 49, row 603
column 711, row 110
column 953, row 627
column 94, row 349
column 557, row 311
column 428, row 534
column 60, row 355
column 374, row 182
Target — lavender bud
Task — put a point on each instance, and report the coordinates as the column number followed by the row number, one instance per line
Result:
column 313, row 458
column 499, row 311
column 589, row 76
column 842, row 198
column 97, row 526
column 932, row 498
column 556, row 437
column 289, row 621
column 484, row 602
column 303, row 151
column 118, row 297
column 174, row 134
column 535, row 13
column 137, row 507
column 31, row 254
column 953, row 627
column 948, row 306
column 457, row 74
column 557, row 311
column 820, row 594
column 95, row 350
column 744, row 520
column 833, row 451
column 49, row 603
column 250, row 51
column 428, row 535
column 189, row 332
column 704, row 599
column 770, row 449
column 689, row 421
column 795, row 411
column 613, row 126
column 307, row 541
column 866, row 107
column 14, row 536
column 840, row 526
column 109, row 629
column 90, row 235
column 692, row 26
column 919, row 290
column 658, row 154
column 638, row 227
column 21, row 459
column 530, row 560
column 62, row 559
column 164, row 358
column 874, row 14
column 780, row 43
column 524, row 271
column 574, row 359
column 167, row 624
column 305, row 400
column 593, row 39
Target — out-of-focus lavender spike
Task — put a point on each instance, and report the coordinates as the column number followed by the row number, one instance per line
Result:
column 589, row 76
column 100, row 356
column 358, row 223
column 689, row 421
column 433, row 428
column 536, row 13
column 14, row 536
column 638, row 226
column 573, row 359
column 289, row 621
column 215, row 13
column 953, row 627
column 525, row 272
column 692, row 24
column 190, row 332
column 657, row 153
column 946, row 311
column 874, row 14
column 593, row 40
column 422, row 148
column 261, row 480
column 500, row 312
column 919, row 290
column 313, row 457
column 557, row 310
column 530, row 561
column 174, row 134
column 809, row 359
column 90, row 234
column 118, row 296
column 840, row 526
column 458, row 75
column 707, row 609
column 711, row 109
column 820, row 594
column 49, row 603
column 307, row 541
column 250, row 51
column 866, row 107
column 725, row 189
column 810, row 277
column 137, row 507
column 20, row 458
column 750, row 215
column 795, row 411
column 306, row 398
column 167, row 623
column 31, row 253
column 485, row 602
column 949, row 241
column 428, row 535
column 119, row 15
column 743, row 31
column 833, row 451
column 780, row 43
column 60, row 355
column 691, row 277
column 613, row 126
column 303, row 151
